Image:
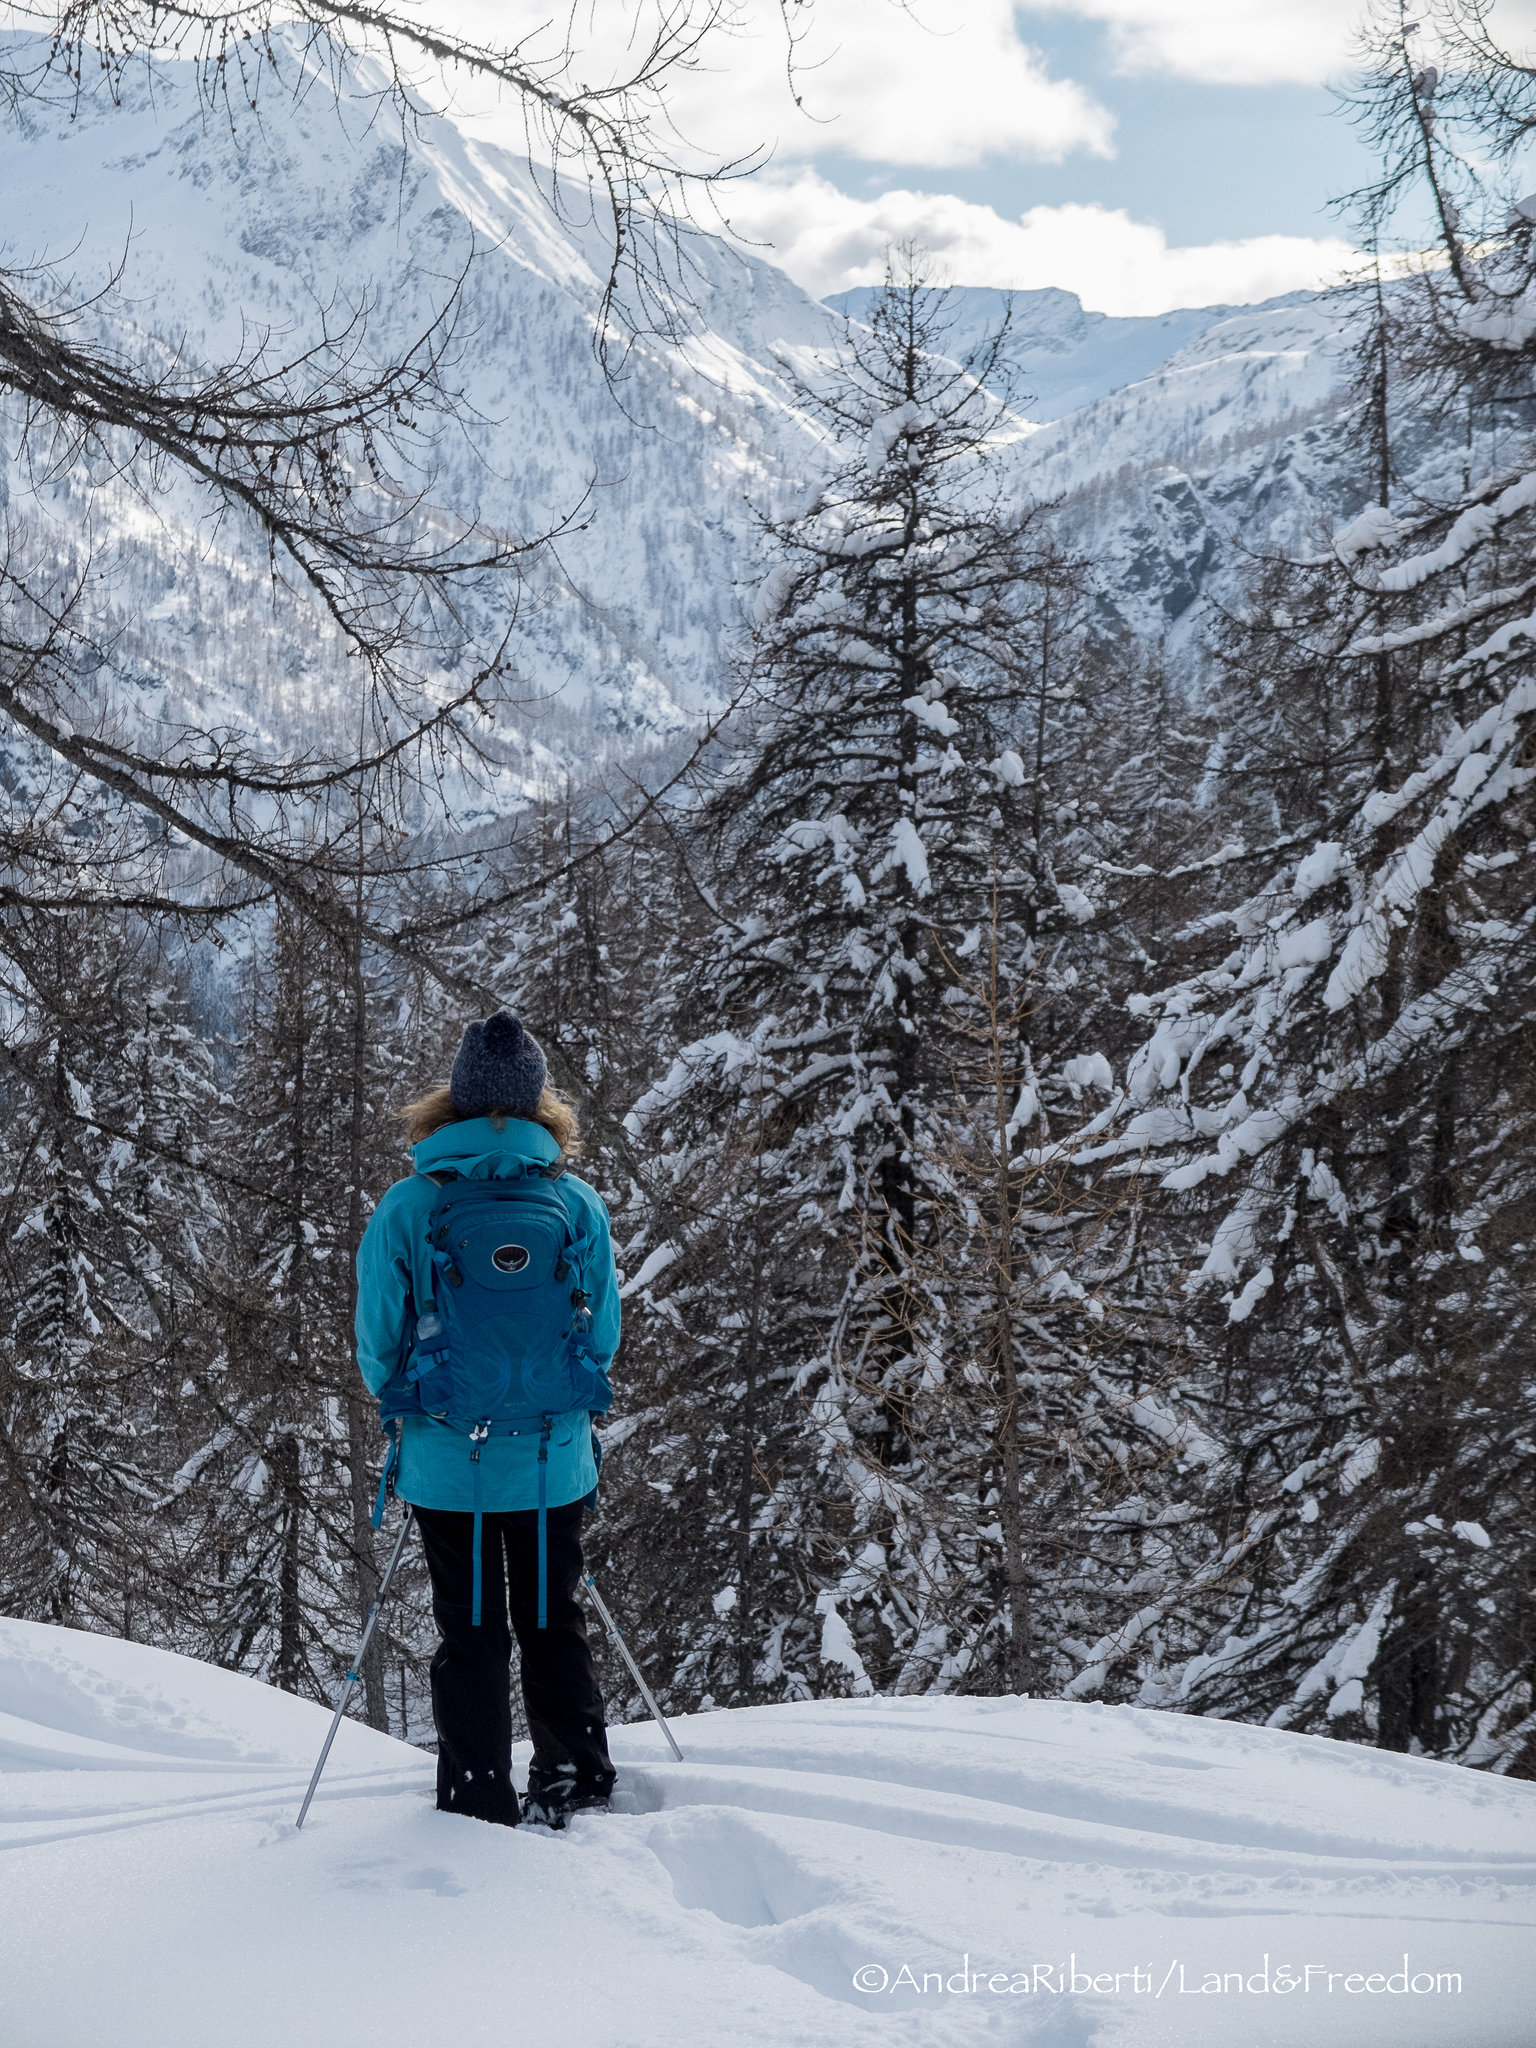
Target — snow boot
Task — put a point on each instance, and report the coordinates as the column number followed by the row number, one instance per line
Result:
column 490, row 1795
column 555, row 1793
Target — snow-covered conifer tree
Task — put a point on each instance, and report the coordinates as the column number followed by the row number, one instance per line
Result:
column 1336, row 1086
column 306, row 1134
column 107, row 1097
column 898, row 786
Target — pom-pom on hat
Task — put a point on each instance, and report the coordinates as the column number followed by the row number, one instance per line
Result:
column 499, row 1066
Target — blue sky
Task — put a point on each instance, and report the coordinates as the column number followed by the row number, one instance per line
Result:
column 1143, row 153
column 1207, row 160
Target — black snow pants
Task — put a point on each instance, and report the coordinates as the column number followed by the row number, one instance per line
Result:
column 472, row 1670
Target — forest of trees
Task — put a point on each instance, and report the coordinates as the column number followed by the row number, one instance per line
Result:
column 1067, row 1116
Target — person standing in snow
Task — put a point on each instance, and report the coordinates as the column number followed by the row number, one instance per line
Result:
column 496, row 1117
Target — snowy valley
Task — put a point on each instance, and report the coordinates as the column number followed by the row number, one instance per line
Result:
column 1165, row 436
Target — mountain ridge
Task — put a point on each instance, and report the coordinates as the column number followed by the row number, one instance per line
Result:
column 1065, row 355
column 626, row 625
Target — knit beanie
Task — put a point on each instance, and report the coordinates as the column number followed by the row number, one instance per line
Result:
column 499, row 1066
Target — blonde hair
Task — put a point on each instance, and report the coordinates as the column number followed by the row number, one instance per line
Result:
column 435, row 1109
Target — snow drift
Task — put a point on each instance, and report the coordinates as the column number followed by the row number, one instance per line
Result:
column 906, row 1870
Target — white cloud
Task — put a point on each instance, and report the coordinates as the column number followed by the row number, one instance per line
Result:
column 932, row 82
column 1227, row 42
column 940, row 82
column 828, row 241
column 1256, row 42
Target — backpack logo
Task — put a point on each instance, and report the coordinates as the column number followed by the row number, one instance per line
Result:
column 509, row 1258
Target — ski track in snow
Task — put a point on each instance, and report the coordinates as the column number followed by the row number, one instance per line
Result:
column 153, row 1889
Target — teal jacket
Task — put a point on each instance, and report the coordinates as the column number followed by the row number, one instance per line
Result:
column 434, row 1469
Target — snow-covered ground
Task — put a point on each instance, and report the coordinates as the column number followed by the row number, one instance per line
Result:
column 913, row 1870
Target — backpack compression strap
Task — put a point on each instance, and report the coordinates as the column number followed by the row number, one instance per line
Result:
column 477, row 1437
column 543, row 1523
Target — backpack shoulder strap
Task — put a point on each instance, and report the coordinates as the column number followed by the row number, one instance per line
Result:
column 578, row 1237
column 437, row 1179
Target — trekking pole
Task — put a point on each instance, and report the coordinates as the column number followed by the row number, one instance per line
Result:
column 618, row 1636
column 355, row 1671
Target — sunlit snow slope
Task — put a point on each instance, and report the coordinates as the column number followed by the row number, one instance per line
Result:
column 228, row 228
column 1163, row 437
column 153, row 1890
column 1177, row 446
column 1063, row 355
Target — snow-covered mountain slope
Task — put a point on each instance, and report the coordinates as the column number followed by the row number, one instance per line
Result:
column 1233, row 446
column 1164, row 437
column 230, row 227
column 1176, row 445
column 1248, row 373
column 1064, row 356
column 829, row 1873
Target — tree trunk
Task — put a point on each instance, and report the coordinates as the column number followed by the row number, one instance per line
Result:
column 290, row 1618
column 1020, row 1657
column 750, row 1362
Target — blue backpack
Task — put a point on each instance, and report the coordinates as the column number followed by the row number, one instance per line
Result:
column 505, row 1343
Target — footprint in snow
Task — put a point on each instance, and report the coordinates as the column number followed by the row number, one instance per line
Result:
column 442, row 1882
column 721, row 1865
